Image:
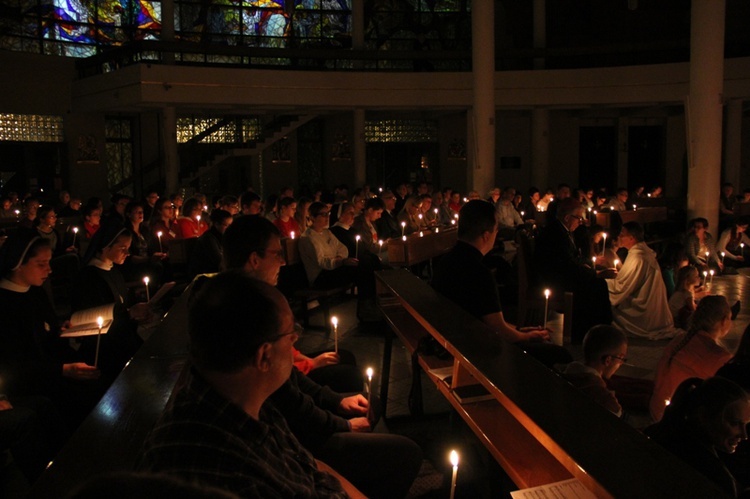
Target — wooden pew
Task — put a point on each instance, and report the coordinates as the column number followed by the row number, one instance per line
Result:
column 418, row 249
column 641, row 215
column 538, row 427
column 111, row 437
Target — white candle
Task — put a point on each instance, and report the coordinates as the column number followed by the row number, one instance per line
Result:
column 421, row 234
column 593, row 262
column 722, row 256
column 546, row 306
column 146, row 281
column 604, row 242
column 437, row 230
column 634, row 207
column 454, row 462
column 649, row 194
column 403, row 238
column 403, row 227
column 436, row 211
column 335, row 322
column 356, row 246
column 158, row 234
column 380, row 243
column 617, row 262
column 205, row 208
column 75, row 233
column 711, row 282
column 705, row 276
column 369, row 387
column 291, row 234
column 100, row 323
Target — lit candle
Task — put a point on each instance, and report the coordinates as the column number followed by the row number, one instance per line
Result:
column 454, row 462
column 75, row 233
column 522, row 213
column 291, row 234
column 705, row 276
column 335, row 322
column 436, row 211
column 455, row 216
column 205, row 208
column 158, row 234
column 466, row 200
column 18, row 212
column 100, row 323
column 711, row 282
column 649, row 194
column 437, row 230
column 742, row 247
column 453, row 222
column 421, row 234
column 198, row 219
column 604, row 242
column 380, row 189
column 403, row 227
column 707, row 254
column 593, row 262
column 356, row 246
column 420, row 216
column 722, row 257
column 369, row 387
column 380, row 243
column 546, row 306
column 146, row 281
column 403, row 238
column 634, row 207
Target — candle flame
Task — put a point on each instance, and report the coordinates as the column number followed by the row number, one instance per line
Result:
column 403, row 238
column 421, row 234
column 454, row 458
column 75, row 229
column 369, row 373
column 335, row 320
column 617, row 262
column 159, row 233
column 146, row 280
column 403, row 224
column 292, row 234
column 380, row 242
column 711, row 272
column 357, row 237
column 100, row 321
column 547, row 292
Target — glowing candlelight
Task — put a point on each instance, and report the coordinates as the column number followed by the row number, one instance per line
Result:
column 454, row 462
column 649, row 194
column 158, row 234
column 75, row 233
column 403, row 238
column 369, row 387
column 437, row 230
column 707, row 254
column 436, row 211
column 617, row 262
column 466, row 200
column 291, row 234
column 421, row 234
column 742, row 247
column 722, row 257
column 420, row 216
column 705, row 276
column 18, row 212
column 146, row 281
column 205, row 208
column 546, row 306
column 380, row 189
column 335, row 322
column 403, row 227
column 593, row 262
column 198, row 219
column 356, row 246
column 453, row 222
column 635, row 207
column 100, row 323
column 380, row 243
column 711, row 281
column 604, row 242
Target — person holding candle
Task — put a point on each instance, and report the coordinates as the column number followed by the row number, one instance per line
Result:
column 387, row 225
column 682, row 303
column 364, row 226
column 561, row 265
column 286, row 222
column 208, row 253
column 190, row 224
column 141, row 260
column 162, row 221
column 409, row 215
column 462, row 277
column 729, row 244
column 100, row 282
column 637, row 293
column 699, row 246
column 219, row 430
column 695, row 353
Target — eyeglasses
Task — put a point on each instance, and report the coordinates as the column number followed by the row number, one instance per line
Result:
column 297, row 329
column 624, row 360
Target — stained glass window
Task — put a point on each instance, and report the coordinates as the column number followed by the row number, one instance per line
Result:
column 31, row 128
column 118, row 150
column 226, row 133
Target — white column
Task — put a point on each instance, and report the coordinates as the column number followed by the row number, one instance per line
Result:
column 733, row 144
column 540, row 30
column 360, row 147
column 482, row 169
column 540, row 148
column 704, row 109
column 171, row 158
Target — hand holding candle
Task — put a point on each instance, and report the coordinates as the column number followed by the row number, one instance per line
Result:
column 369, row 390
column 356, row 246
column 335, row 322
column 158, row 234
column 100, row 323
column 454, row 462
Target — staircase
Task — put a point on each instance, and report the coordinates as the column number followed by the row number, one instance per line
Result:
column 272, row 132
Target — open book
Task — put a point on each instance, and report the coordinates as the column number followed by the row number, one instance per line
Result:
column 163, row 290
column 83, row 322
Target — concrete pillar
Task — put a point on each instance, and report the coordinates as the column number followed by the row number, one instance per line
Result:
column 360, row 157
column 481, row 173
column 704, row 109
column 540, row 148
column 171, row 158
column 540, row 30
column 733, row 144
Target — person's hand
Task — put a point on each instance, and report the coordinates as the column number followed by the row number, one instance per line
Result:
column 140, row 312
column 158, row 256
column 740, row 258
column 360, row 425
column 535, row 334
column 325, row 359
column 5, row 405
column 354, row 405
column 80, row 370
column 71, row 249
column 351, row 262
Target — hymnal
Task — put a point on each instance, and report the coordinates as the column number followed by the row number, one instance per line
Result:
column 83, row 322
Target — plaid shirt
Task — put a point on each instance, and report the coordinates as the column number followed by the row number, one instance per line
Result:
column 206, row 438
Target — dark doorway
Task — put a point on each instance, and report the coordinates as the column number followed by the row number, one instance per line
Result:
column 389, row 164
column 646, row 157
column 598, row 157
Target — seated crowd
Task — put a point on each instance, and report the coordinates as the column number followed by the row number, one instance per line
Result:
column 303, row 429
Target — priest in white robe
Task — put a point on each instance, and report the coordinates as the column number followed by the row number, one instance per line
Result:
column 637, row 294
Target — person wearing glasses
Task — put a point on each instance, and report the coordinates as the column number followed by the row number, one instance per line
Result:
column 562, row 265
column 605, row 350
column 163, row 226
column 637, row 293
